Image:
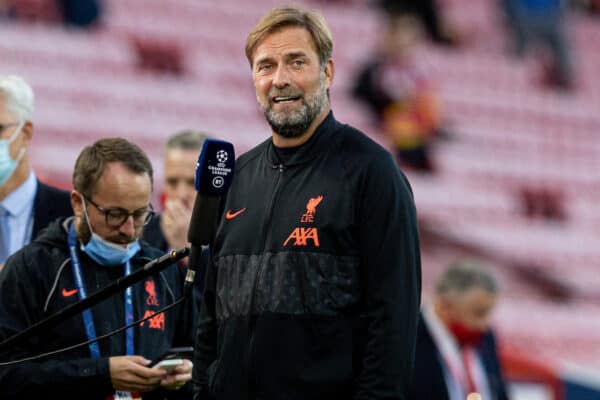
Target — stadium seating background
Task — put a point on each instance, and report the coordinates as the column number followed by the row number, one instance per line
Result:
column 507, row 134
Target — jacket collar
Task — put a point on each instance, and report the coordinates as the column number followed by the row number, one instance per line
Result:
column 312, row 148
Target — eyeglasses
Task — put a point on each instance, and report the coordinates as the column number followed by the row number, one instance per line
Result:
column 115, row 217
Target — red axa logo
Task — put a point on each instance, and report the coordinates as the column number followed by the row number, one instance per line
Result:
column 151, row 290
column 156, row 322
column 311, row 209
column 302, row 235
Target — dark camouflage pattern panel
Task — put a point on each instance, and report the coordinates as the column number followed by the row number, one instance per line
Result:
column 295, row 283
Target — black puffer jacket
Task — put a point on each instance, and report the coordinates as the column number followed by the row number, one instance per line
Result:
column 314, row 287
column 38, row 281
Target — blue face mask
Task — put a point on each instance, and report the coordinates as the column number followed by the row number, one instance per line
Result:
column 107, row 253
column 7, row 164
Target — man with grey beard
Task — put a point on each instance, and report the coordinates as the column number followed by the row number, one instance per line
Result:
column 313, row 289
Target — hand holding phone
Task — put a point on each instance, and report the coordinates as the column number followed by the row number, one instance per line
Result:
column 171, row 358
column 169, row 365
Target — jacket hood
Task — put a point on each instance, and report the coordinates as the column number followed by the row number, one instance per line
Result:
column 55, row 234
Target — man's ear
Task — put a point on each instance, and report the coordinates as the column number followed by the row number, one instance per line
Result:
column 329, row 71
column 27, row 132
column 77, row 203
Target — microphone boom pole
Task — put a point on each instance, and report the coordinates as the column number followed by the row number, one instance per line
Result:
column 118, row 285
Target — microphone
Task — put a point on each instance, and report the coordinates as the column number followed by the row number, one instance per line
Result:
column 214, row 174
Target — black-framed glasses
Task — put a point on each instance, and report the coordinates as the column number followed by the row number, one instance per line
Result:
column 115, row 217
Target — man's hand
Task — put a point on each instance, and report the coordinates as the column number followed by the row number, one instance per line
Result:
column 178, row 376
column 175, row 222
column 130, row 373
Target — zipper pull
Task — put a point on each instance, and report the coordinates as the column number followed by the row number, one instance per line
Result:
column 278, row 166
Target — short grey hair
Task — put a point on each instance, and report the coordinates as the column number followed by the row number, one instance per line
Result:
column 18, row 96
column 465, row 275
column 186, row 140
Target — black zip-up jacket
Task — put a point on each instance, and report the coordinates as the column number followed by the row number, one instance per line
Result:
column 314, row 288
column 37, row 281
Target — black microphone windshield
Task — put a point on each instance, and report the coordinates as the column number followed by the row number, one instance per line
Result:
column 214, row 174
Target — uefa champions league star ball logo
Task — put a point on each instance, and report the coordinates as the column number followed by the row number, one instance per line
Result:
column 222, row 156
column 219, row 171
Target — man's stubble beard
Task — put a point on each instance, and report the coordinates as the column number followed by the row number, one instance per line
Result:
column 83, row 230
column 294, row 123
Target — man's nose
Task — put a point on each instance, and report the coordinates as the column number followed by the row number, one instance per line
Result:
column 183, row 191
column 127, row 228
column 281, row 78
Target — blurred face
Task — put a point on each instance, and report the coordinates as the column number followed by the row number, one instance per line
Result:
column 117, row 188
column 403, row 36
column 472, row 309
column 9, row 125
column 179, row 172
column 291, row 87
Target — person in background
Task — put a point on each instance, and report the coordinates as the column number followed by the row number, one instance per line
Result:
column 541, row 24
column 456, row 348
column 393, row 85
column 26, row 204
column 313, row 288
column 81, row 13
column 74, row 256
column 170, row 229
column 429, row 14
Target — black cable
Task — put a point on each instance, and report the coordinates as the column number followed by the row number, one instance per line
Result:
column 107, row 335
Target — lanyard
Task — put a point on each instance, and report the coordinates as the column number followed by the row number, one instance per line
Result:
column 88, row 320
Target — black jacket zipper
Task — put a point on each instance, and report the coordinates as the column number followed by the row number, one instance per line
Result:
column 252, row 383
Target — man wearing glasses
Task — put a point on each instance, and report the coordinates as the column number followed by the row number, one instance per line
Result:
column 76, row 256
column 26, row 204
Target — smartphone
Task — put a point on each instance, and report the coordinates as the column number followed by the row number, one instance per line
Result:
column 174, row 353
column 169, row 365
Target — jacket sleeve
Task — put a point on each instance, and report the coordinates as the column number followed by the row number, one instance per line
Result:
column 391, row 270
column 205, row 350
column 21, row 304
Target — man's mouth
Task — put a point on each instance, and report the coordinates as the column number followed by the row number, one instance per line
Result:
column 122, row 242
column 285, row 99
